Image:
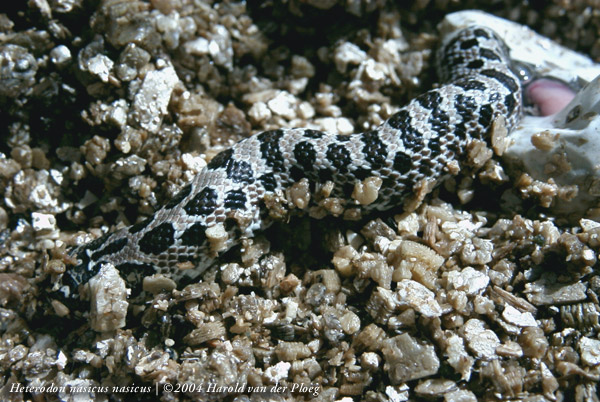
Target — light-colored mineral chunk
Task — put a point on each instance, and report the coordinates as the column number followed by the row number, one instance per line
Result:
column 205, row 332
column 60, row 55
column 590, row 351
column 460, row 395
column 515, row 317
column 150, row 364
column 477, row 251
column 348, row 53
column 469, row 280
column 546, row 291
column 151, row 101
column 108, row 300
column 398, row 393
column 276, row 373
column 283, row 104
column 367, row 191
column 290, row 351
column 350, row 323
column 417, row 296
column 217, row 237
column 412, row 260
column 101, row 66
column 43, row 222
column 406, row 359
column 458, row 357
column 483, row 342
column 435, row 387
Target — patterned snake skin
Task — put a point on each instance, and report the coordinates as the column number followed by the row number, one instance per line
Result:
column 420, row 142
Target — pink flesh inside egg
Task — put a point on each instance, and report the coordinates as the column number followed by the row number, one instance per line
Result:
column 549, row 96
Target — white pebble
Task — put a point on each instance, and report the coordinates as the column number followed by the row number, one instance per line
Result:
column 43, row 222
column 348, row 53
column 283, row 104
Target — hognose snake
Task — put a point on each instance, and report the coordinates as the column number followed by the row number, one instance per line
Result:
column 424, row 140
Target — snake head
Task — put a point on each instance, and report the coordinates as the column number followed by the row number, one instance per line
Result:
column 80, row 269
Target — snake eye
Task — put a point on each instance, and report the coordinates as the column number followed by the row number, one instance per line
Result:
column 525, row 71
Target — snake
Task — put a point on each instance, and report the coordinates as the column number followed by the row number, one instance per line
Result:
column 424, row 141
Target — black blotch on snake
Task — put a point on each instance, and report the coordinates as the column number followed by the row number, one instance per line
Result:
column 195, row 235
column 157, row 240
column 203, row 203
column 235, row 199
column 270, row 150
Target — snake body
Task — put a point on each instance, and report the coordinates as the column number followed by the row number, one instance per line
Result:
column 419, row 142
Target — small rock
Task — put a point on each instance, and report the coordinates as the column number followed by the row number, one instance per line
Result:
column 515, row 317
column 469, row 280
column 417, row 296
column 108, row 300
column 348, row 53
column 151, row 101
column 60, row 55
column 43, row 222
column 483, row 342
column 17, row 70
column 590, row 351
column 460, row 395
column 406, row 359
column 546, row 291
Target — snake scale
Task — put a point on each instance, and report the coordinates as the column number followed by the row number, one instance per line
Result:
column 421, row 141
